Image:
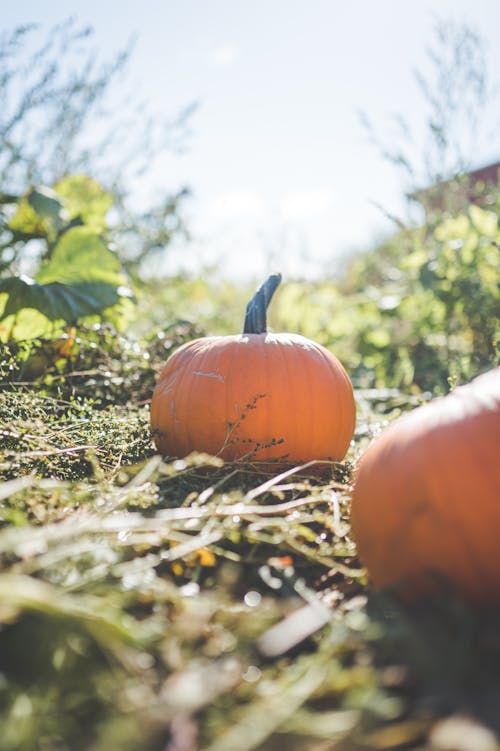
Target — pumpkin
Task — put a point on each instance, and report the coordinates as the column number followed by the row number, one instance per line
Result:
column 257, row 395
column 425, row 508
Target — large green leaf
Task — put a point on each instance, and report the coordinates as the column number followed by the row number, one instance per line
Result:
column 57, row 301
column 85, row 198
column 82, row 255
column 26, row 220
column 48, row 205
column 83, row 278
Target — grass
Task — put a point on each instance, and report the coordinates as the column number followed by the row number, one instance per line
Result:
column 175, row 606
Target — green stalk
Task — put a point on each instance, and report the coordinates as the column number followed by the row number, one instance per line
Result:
column 256, row 313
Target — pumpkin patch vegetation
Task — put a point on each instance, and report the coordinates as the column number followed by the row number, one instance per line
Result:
column 258, row 395
column 426, row 502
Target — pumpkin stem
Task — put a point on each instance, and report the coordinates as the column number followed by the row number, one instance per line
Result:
column 255, row 317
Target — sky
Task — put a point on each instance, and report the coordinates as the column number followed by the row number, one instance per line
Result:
column 282, row 173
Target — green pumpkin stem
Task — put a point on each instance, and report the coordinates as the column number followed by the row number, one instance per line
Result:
column 256, row 313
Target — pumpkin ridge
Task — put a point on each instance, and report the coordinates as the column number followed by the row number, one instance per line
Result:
column 313, row 407
column 249, row 403
column 339, row 385
column 179, row 423
column 369, row 541
column 461, row 520
column 286, row 367
column 314, row 415
column 192, row 383
column 213, row 356
column 232, row 419
column 301, row 375
column 230, row 426
column 485, row 487
column 427, row 505
column 350, row 424
column 343, row 386
column 181, row 355
column 450, row 512
column 269, row 380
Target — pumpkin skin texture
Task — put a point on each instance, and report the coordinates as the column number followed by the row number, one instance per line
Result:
column 425, row 509
column 277, row 398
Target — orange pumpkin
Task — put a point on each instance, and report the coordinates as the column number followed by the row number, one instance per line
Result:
column 256, row 395
column 426, row 502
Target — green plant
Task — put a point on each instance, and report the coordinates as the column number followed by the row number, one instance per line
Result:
column 433, row 299
column 79, row 276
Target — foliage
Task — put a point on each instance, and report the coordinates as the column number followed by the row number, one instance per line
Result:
column 79, row 275
column 450, row 297
column 425, row 304
column 93, row 362
column 416, row 311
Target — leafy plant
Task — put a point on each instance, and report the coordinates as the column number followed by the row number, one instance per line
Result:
column 423, row 306
column 79, row 275
column 435, row 300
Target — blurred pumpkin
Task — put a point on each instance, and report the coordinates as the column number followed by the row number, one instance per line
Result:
column 256, row 395
column 426, row 502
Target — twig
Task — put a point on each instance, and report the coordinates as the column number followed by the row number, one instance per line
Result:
column 53, row 452
column 277, row 478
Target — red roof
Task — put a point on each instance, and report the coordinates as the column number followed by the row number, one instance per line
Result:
column 467, row 186
column 489, row 174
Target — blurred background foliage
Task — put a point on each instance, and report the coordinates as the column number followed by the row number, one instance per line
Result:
column 419, row 309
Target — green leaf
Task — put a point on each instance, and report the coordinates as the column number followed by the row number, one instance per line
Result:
column 40, row 212
column 82, row 255
column 27, row 324
column 427, row 275
column 378, row 337
column 83, row 278
column 49, row 208
column 485, row 222
column 57, row 301
column 85, row 198
column 47, row 205
column 453, row 228
column 415, row 259
column 26, row 220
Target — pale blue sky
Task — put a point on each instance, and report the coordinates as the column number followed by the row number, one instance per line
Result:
column 281, row 170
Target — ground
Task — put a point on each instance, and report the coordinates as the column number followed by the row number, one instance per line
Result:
column 182, row 605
